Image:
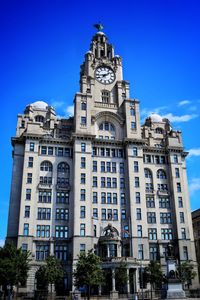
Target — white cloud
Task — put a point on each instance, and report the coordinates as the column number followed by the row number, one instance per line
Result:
column 194, row 152
column 70, row 110
column 184, row 102
column 183, row 118
column 2, row 242
column 194, row 185
column 57, row 104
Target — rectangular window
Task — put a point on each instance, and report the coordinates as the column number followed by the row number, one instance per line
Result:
column 149, row 187
column 139, row 230
column 165, row 218
column 137, row 182
column 61, row 252
column 137, row 197
column 114, row 167
column 95, row 213
column 83, row 106
column 178, row 187
column 152, row 233
column 29, row 178
column 30, row 162
column 83, row 178
column 62, row 197
column 61, row 232
column 123, row 214
column 135, row 151
column 28, row 194
column 109, row 198
column 103, row 169
column 83, row 120
column 27, row 212
column 82, row 229
column 44, row 213
column 164, row 202
column 180, row 202
column 103, row 182
column 183, row 233
column 122, row 199
column 150, row 202
column 94, row 168
column 175, row 158
column 50, row 150
column 94, row 181
column 109, row 214
column 83, row 163
column 83, row 147
column 24, row 248
column 62, row 214
column 166, row 233
column 140, row 252
column 182, row 219
column 153, row 252
column 185, row 253
column 122, row 183
column 42, row 251
column 114, row 182
column 95, row 230
column 151, row 217
column 114, row 198
column 121, row 167
column 108, row 166
column 44, row 150
column 44, row 180
column 115, row 214
column 138, row 214
column 43, row 231
column 32, row 147
column 44, row 196
column 133, row 125
column 82, row 248
column 177, row 174
column 103, row 197
column 82, row 212
column 108, row 182
column 135, row 166
column 82, row 198
column 162, row 187
column 26, row 229
column 95, row 197
column 108, row 152
column 103, row 214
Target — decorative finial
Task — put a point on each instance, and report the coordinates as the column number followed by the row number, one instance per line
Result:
column 98, row 26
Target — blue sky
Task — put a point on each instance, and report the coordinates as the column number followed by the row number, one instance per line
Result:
column 43, row 44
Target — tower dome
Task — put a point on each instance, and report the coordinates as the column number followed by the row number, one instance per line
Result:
column 39, row 105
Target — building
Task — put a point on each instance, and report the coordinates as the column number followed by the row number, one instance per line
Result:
column 196, row 229
column 99, row 180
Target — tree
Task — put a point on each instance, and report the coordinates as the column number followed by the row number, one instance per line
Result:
column 185, row 273
column 88, row 271
column 121, row 276
column 153, row 274
column 14, row 266
column 50, row 273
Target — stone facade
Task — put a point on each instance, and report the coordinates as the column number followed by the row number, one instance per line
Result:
column 99, row 180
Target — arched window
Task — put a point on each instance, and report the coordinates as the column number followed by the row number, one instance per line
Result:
column 161, row 174
column 147, row 173
column 63, row 173
column 46, row 166
column 39, row 118
column 107, row 126
column 63, row 167
column 159, row 130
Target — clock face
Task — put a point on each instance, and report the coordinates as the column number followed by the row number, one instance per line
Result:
column 105, row 75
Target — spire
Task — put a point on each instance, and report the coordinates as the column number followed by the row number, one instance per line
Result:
column 98, row 26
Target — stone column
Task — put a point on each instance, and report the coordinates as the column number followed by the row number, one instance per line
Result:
column 113, row 280
column 128, row 281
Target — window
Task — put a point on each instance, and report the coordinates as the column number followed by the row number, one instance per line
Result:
column 178, row 187
column 45, row 180
column 27, row 212
column 137, row 182
column 109, row 198
column 137, row 197
column 177, row 174
column 42, row 251
column 164, row 202
column 83, row 106
column 139, row 230
column 83, row 178
column 83, row 147
column 39, row 119
column 121, row 167
column 138, row 214
column 114, row 182
column 95, row 213
column 61, row 252
column 83, row 120
column 161, row 174
column 30, row 162
column 185, row 253
column 24, row 247
column 83, row 163
column 153, row 252
column 28, row 194
column 94, row 169
column 114, row 198
column 183, row 233
column 149, row 187
column 105, row 96
column 103, row 214
column 62, row 197
column 135, row 166
column 115, row 214
column 82, row 196
column 109, row 214
column 150, row 202
column 43, row 231
column 122, row 183
column 151, row 217
column 50, row 150
column 103, row 197
column 108, row 166
column 94, row 181
column 46, row 166
column 103, row 169
column 133, row 125
column 122, row 199
column 159, row 130
column 166, row 233
column 180, row 202
column 108, row 182
column 126, row 231
column 26, row 229
column 113, row 167
column 44, row 150
column 82, row 229
column 95, row 197
column 140, row 251
column 61, row 231
column 162, row 187
column 147, row 173
column 182, row 219
column 132, row 111
column 29, row 178
column 95, row 230
column 44, row 213
column 165, row 218
column 152, row 233
column 123, row 214
column 175, row 158
column 103, row 182
column 32, row 147
column 82, row 212
column 44, row 196
column 82, row 248
column 135, row 151
column 62, row 214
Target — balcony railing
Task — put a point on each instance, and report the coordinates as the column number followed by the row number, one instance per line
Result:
column 44, row 185
column 63, row 186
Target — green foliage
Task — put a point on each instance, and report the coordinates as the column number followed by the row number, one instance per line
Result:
column 88, row 270
column 185, row 273
column 121, row 276
column 14, row 265
column 50, row 273
column 153, row 274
